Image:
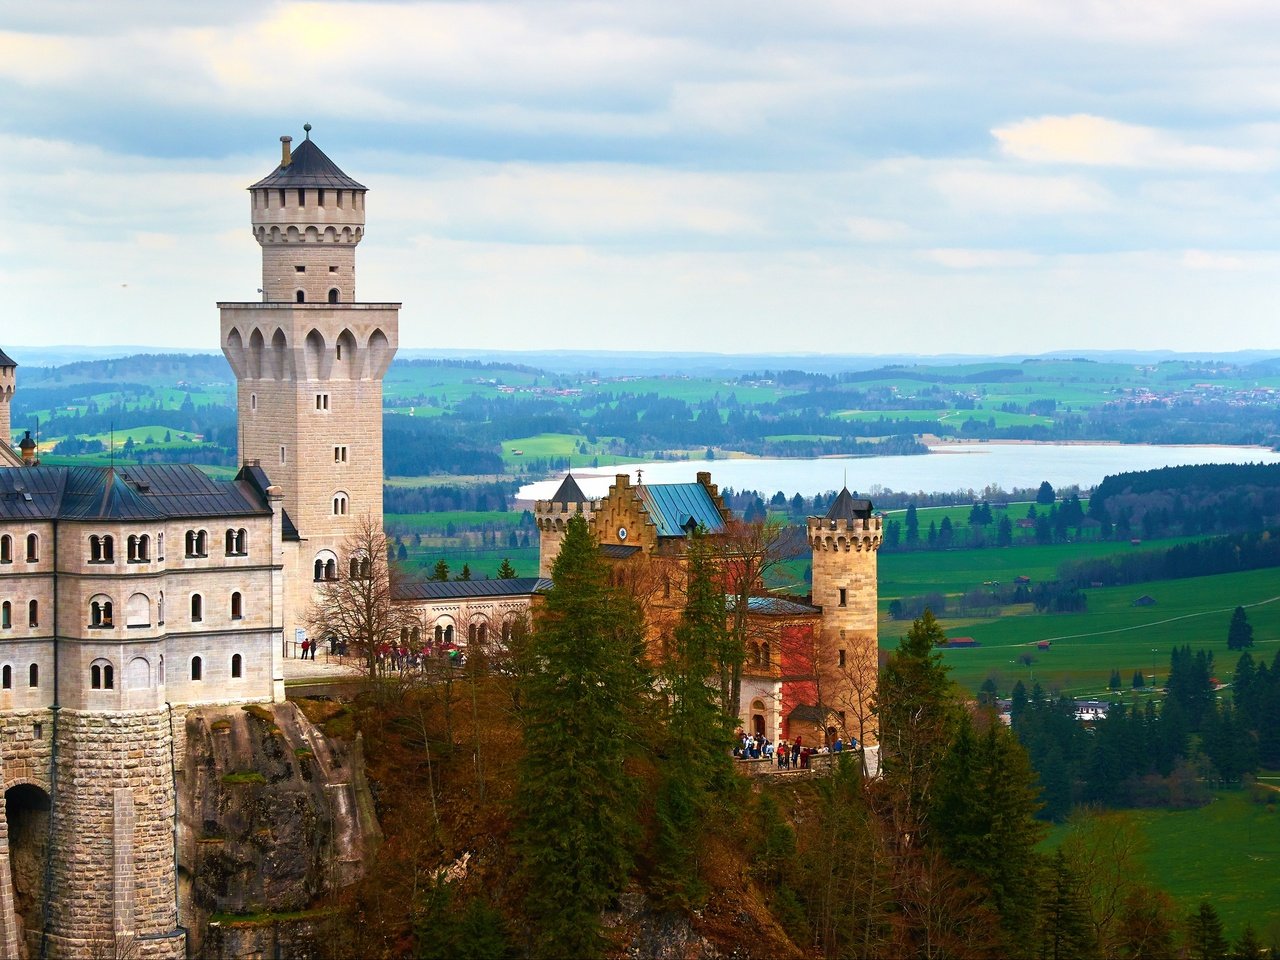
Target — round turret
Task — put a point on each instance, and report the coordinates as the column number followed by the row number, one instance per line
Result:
column 308, row 217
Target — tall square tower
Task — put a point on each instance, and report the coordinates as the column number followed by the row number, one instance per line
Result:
column 309, row 362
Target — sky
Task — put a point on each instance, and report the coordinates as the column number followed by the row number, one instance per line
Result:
column 830, row 176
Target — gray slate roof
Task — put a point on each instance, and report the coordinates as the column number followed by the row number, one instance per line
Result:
column 309, row 167
column 569, row 492
column 120, row 493
column 774, row 606
column 6, row 360
column 462, row 589
column 846, row 507
column 618, row 551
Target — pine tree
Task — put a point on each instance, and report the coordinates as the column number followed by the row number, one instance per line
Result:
column 1065, row 930
column 505, row 570
column 1240, row 633
column 984, row 820
column 698, row 768
column 1204, row 934
column 917, row 717
column 1004, row 532
column 1045, row 495
column 466, row 572
column 1137, row 683
column 1248, row 947
column 580, row 684
column 911, row 526
column 441, row 571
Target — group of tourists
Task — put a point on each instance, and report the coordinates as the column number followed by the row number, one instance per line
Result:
column 787, row 755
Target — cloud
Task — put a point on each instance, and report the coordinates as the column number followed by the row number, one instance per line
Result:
column 972, row 259
column 1096, row 141
column 986, row 189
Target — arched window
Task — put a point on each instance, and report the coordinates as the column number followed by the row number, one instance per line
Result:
column 448, row 634
column 160, row 609
column 484, row 632
column 197, row 608
column 100, row 612
column 355, row 568
column 237, row 606
column 439, row 633
column 131, row 548
column 6, row 549
column 755, row 654
column 231, row 543
column 333, row 295
column 33, row 613
column 102, row 675
column 764, row 654
column 339, row 504
column 319, row 569
column 160, row 671
column 108, row 549
column 137, row 675
column 33, row 548
column 197, row 668
column 471, row 633
column 253, row 401
column 159, row 546
column 202, row 543
column 331, row 570
column 415, row 636
column 301, row 297
column 6, row 677
column 191, row 543
column 242, row 542
column 6, row 615
column 33, row 675
column 237, row 666
column 95, row 549
column 404, row 634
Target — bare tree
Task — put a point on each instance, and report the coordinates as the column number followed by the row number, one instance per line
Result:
column 359, row 607
column 853, row 690
column 745, row 554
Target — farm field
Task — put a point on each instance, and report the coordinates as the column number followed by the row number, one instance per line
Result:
column 1113, row 634
column 1227, row 852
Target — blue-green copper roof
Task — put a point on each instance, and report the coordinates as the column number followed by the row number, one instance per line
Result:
column 678, row 508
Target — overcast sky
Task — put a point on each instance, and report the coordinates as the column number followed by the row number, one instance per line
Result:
column 826, row 175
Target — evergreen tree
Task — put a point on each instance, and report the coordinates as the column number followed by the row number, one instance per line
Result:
column 441, row 571
column 1004, row 532
column 1066, row 932
column 1248, row 947
column 946, row 533
column 466, row 572
column 918, row 717
column 1204, row 934
column 1115, row 680
column 698, row 768
column 1137, row 683
column 505, row 570
column 580, row 683
column 1240, row 633
column 1045, row 495
column 911, row 527
column 984, row 820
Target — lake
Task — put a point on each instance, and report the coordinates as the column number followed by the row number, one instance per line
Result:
column 947, row 467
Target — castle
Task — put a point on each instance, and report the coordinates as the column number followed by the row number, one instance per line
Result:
column 130, row 594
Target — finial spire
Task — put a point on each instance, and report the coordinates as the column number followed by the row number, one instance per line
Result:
column 306, row 128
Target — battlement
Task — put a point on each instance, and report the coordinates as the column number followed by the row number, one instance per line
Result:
column 860, row 533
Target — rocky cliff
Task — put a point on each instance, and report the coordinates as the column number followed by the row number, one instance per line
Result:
column 273, row 818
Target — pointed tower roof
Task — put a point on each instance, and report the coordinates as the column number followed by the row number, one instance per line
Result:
column 6, row 361
column 308, row 167
column 569, row 492
column 847, row 507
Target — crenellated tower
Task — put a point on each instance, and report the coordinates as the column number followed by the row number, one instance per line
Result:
column 8, row 383
column 845, row 585
column 309, row 361
column 553, row 518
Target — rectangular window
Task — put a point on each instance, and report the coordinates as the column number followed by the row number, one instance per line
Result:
column 302, row 198
column 298, row 268
column 320, row 196
column 841, row 663
column 322, row 402
column 333, row 269
column 282, row 454
column 339, row 454
column 844, row 597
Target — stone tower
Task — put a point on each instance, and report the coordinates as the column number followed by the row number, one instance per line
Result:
column 8, row 382
column 309, row 361
column 553, row 517
column 845, row 586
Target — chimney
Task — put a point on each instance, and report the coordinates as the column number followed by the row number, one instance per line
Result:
column 285, row 156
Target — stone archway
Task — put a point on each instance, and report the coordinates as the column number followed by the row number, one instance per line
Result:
column 26, row 808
